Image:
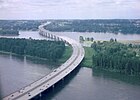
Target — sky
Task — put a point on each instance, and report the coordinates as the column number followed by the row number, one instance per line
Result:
column 69, row 9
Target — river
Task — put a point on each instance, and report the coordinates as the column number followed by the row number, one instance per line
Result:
column 100, row 36
column 75, row 35
column 83, row 84
column 20, row 71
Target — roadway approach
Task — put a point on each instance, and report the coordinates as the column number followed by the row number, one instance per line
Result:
column 42, row 84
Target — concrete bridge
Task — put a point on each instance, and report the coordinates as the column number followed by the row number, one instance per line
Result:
column 37, row 87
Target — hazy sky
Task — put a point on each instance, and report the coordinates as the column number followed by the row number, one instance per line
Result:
column 69, row 9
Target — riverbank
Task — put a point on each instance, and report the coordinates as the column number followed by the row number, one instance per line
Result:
column 130, row 41
column 87, row 62
column 9, row 32
column 88, row 43
column 113, row 56
column 65, row 57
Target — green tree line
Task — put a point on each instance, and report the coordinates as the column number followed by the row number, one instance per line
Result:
column 124, row 26
column 51, row 50
column 117, row 57
column 20, row 24
column 9, row 32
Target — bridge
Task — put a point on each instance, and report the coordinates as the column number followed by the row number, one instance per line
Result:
column 37, row 87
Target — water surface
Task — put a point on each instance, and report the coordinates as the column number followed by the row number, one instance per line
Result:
column 75, row 35
column 17, row 72
column 84, row 84
column 100, row 36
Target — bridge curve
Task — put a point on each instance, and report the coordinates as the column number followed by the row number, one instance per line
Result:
column 56, row 75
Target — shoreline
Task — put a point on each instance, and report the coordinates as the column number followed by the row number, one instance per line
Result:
column 88, row 43
column 88, row 62
column 9, row 34
column 65, row 56
column 87, row 47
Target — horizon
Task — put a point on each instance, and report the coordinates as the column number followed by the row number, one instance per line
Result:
column 69, row 9
column 73, row 19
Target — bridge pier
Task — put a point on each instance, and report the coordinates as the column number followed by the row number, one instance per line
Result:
column 63, row 79
column 53, row 88
column 43, row 33
column 40, row 95
column 51, row 36
column 46, row 34
column 54, row 37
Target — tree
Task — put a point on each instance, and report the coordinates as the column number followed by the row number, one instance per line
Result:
column 52, row 50
column 81, row 39
column 111, row 40
column 117, row 57
column 92, row 39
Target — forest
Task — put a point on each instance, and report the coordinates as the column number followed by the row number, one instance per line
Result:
column 51, row 50
column 9, row 32
column 125, row 26
column 117, row 57
column 24, row 25
column 116, row 26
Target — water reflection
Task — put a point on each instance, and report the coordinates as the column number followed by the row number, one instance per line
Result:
column 51, row 93
column 82, row 84
column 116, row 76
column 20, row 71
column 85, row 84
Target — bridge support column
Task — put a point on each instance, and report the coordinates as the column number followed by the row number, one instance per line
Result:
column 40, row 95
column 57, row 39
column 53, row 88
column 54, row 37
column 51, row 36
column 48, row 35
column 45, row 34
column 63, row 79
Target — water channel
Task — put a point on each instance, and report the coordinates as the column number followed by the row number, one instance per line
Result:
column 83, row 84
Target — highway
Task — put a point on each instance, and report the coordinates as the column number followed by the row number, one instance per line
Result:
column 56, row 75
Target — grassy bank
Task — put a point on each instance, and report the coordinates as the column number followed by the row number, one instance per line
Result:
column 87, row 62
column 66, row 55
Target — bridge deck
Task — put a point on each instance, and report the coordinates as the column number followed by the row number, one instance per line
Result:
column 56, row 75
